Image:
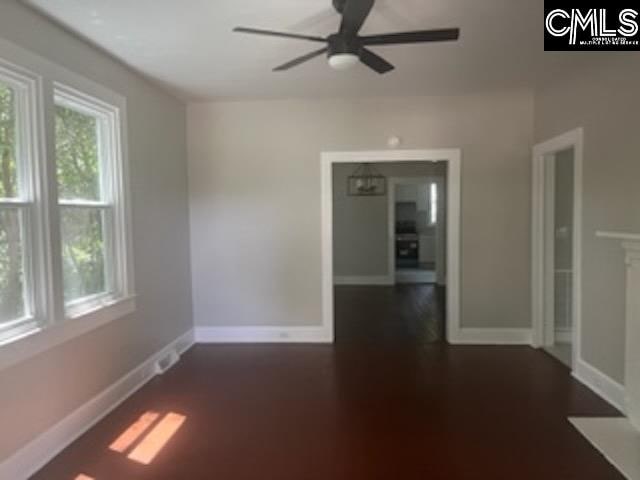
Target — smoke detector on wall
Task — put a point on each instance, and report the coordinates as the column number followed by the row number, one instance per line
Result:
column 394, row 141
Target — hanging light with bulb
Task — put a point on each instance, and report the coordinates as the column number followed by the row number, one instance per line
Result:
column 366, row 181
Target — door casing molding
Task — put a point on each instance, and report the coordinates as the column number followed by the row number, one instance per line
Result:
column 540, row 178
column 453, row 158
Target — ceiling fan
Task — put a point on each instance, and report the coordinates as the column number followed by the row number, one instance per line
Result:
column 345, row 48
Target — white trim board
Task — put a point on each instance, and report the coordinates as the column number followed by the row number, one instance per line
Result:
column 320, row 335
column 540, row 179
column 263, row 335
column 37, row 453
column 453, row 157
column 563, row 335
column 40, row 341
column 416, row 276
column 292, row 335
column 492, row 336
column 634, row 237
column 362, row 280
column 601, row 384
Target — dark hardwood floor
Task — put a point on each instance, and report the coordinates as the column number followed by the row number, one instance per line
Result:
column 398, row 315
column 356, row 413
column 384, row 404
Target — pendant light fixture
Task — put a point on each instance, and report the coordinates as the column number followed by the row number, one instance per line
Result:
column 366, row 181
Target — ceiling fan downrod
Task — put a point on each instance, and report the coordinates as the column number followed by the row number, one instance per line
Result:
column 339, row 5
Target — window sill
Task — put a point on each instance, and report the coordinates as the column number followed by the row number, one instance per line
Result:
column 45, row 338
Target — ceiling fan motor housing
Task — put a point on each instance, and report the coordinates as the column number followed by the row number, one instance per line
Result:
column 339, row 44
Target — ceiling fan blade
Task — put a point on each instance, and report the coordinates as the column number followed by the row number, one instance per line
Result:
column 299, row 60
column 354, row 15
column 271, row 33
column 442, row 35
column 374, row 61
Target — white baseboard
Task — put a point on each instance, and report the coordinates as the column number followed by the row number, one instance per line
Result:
column 262, row 335
column 563, row 335
column 363, row 280
column 600, row 383
column 37, row 453
column 415, row 277
column 492, row 336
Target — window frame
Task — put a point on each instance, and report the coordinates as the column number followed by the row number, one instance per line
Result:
column 52, row 325
column 30, row 201
column 112, row 200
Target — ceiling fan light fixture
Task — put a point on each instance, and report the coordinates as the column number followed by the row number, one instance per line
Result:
column 347, row 47
column 343, row 61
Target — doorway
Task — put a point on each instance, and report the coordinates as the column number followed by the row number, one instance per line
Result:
column 556, row 241
column 417, row 228
column 333, row 253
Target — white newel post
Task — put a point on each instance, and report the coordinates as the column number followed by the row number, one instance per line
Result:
column 632, row 363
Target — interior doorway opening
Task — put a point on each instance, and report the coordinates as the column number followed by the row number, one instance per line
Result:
column 389, row 236
column 558, row 328
column 449, row 296
column 557, row 220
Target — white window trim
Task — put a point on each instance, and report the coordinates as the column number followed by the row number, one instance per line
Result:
column 113, row 199
column 54, row 326
column 32, row 201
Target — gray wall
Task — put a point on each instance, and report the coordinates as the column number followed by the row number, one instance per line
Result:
column 360, row 224
column 605, row 101
column 41, row 391
column 255, row 199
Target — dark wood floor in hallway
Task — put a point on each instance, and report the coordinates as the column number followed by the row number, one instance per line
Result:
column 353, row 412
column 402, row 314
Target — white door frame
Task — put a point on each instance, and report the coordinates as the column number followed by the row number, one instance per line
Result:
column 540, row 284
column 453, row 158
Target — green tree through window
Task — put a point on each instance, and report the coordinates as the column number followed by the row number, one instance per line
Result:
column 82, row 227
column 11, row 274
column 8, row 185
column 77, row 155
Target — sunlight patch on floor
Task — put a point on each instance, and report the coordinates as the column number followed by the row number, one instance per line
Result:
column 157, row 438
column 145, row 437
column 131, row 434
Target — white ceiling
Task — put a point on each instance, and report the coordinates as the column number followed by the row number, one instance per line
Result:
column 189, row 46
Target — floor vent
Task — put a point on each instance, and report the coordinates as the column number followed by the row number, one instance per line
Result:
column 166, row 362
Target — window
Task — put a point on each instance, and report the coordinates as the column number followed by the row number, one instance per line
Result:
column 91, row 226
column 17, row 312
column 65, row 251
column 433, row 203
column 84, row 215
